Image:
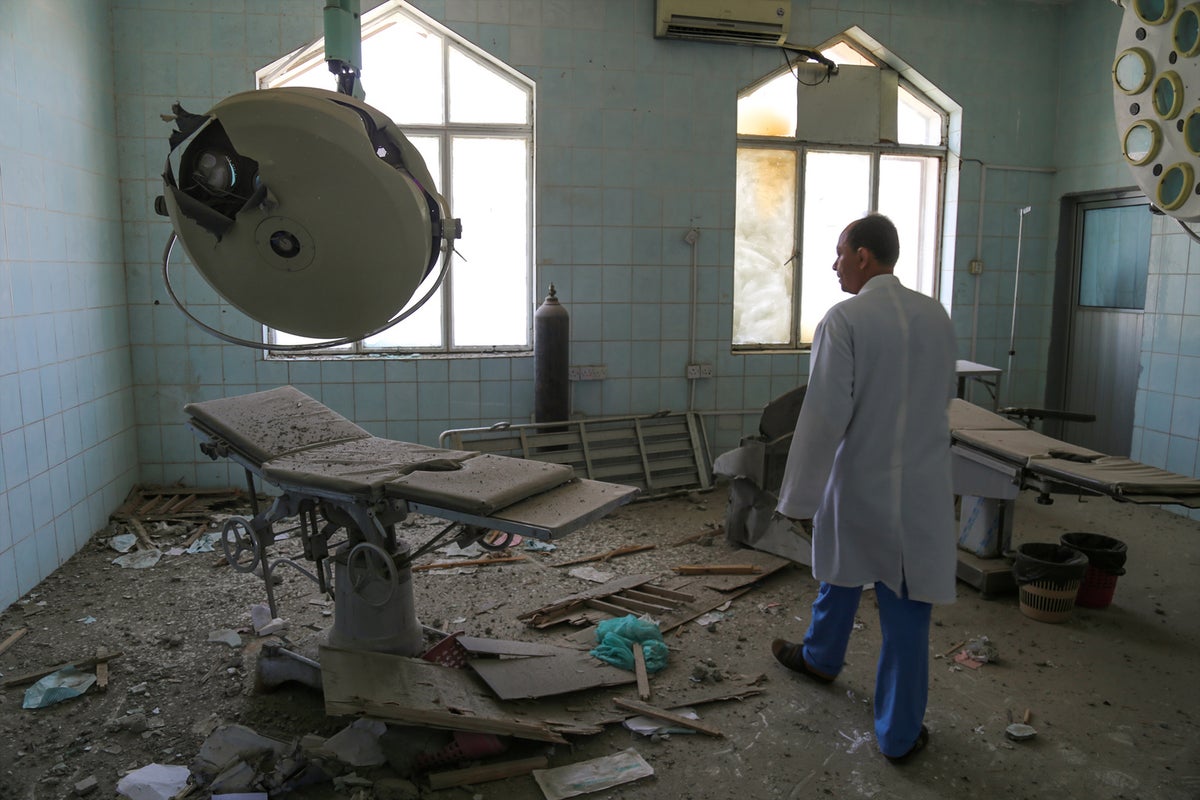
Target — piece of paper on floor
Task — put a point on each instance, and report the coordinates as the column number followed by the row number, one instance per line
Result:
column 647, row 726
column 592, row 776
column 591, row 574
column 965, row 659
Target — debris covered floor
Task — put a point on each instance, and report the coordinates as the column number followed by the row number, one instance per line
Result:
column 1111, row 693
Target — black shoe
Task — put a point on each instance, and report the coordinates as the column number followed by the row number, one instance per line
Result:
column 792, row 656
column 918, row 746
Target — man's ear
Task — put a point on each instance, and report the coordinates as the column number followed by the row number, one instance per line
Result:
column 864, row 257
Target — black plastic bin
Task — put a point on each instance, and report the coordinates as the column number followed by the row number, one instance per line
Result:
column 1106, row 562
column 1048, row 576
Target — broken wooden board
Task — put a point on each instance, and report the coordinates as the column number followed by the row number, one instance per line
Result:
column 173, row 503
column 633, row 594
column 37, row 675
column 544, row 676
column 767, row 563
column 418, row 692
column 12, row 639
column 486, row 772
column 639, row 669
column 718, row 569
column 685, row 600
column 620, row 551
column 503, row 647
column 588, row 715
column 647, row 710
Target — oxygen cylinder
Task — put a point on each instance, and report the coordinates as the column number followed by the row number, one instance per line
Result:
column 551, row 359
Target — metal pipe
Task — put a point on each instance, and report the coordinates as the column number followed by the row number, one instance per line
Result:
column 1012, row 332
column 692, row 237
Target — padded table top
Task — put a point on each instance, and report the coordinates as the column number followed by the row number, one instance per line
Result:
column 1021, row 445
column 266, row 425
column 299, row 443
column 968, row 416
column 1123, row 478
column 360, row 464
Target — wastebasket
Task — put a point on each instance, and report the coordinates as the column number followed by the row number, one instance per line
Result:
column 1048, row 576
column 1106, row 563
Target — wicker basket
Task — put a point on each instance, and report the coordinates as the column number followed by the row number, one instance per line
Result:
column 1048, row 601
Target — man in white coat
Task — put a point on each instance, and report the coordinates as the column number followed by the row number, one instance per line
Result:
column 870, row 466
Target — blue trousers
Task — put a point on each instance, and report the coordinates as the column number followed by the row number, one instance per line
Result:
column 902, row 675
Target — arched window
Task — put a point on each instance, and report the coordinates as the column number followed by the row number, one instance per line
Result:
column 471, row 118
column 814, row 153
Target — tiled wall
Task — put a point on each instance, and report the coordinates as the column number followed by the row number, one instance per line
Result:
column 635, row 145
column 1167, row 414
column 66, row 402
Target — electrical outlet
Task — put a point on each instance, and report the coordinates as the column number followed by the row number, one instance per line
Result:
column 588, row 372
column 696, row 371
column 975, row 267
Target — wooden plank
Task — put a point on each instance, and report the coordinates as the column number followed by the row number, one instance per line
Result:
column 545, row 676
column 637, row 606
column 12, row 639
column 471, row 562
column 142, row 537
column 611, row 608
column 554, row 617
column 718, row 569
column 417, row 692
column 639, row 668
column 149, row 501
column 668, row 594
column 102, row 669
column 486, row 772
column 611, row 587
column 769, row 564
column 182, row 504
column 619, row 551
column 649, row 598
column 37, row 675
column 196, row 534
column 658, row 713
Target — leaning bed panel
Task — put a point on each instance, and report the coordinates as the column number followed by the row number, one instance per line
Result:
column 265, row 425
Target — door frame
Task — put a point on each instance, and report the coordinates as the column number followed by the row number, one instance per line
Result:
column 1066, row 287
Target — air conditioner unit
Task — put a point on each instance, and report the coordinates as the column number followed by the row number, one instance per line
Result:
column 762, row 22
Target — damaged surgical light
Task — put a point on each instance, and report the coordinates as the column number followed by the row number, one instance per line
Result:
column 307, row 210
column 1155, row 74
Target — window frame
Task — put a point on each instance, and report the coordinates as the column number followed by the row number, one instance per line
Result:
column 801, row 147
column 373, row 23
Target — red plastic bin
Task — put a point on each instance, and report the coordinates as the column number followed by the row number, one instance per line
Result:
column 1097, row 588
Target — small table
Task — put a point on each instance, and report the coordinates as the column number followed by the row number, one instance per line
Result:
column 988, row 376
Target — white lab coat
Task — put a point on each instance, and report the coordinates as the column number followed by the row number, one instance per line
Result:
column 870, row 460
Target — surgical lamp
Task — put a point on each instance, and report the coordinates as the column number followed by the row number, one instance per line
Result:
column 308, row 210
column 1155, row 72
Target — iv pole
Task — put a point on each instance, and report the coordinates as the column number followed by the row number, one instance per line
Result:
column 1012, row 333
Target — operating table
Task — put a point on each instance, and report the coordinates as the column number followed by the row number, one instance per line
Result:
column 994, row 459
column 997, row 457
column 335, row 476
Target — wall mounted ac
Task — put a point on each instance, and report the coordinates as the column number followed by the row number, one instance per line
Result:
column 762, row 22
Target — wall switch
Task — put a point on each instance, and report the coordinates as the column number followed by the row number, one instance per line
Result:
column 975, row 267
